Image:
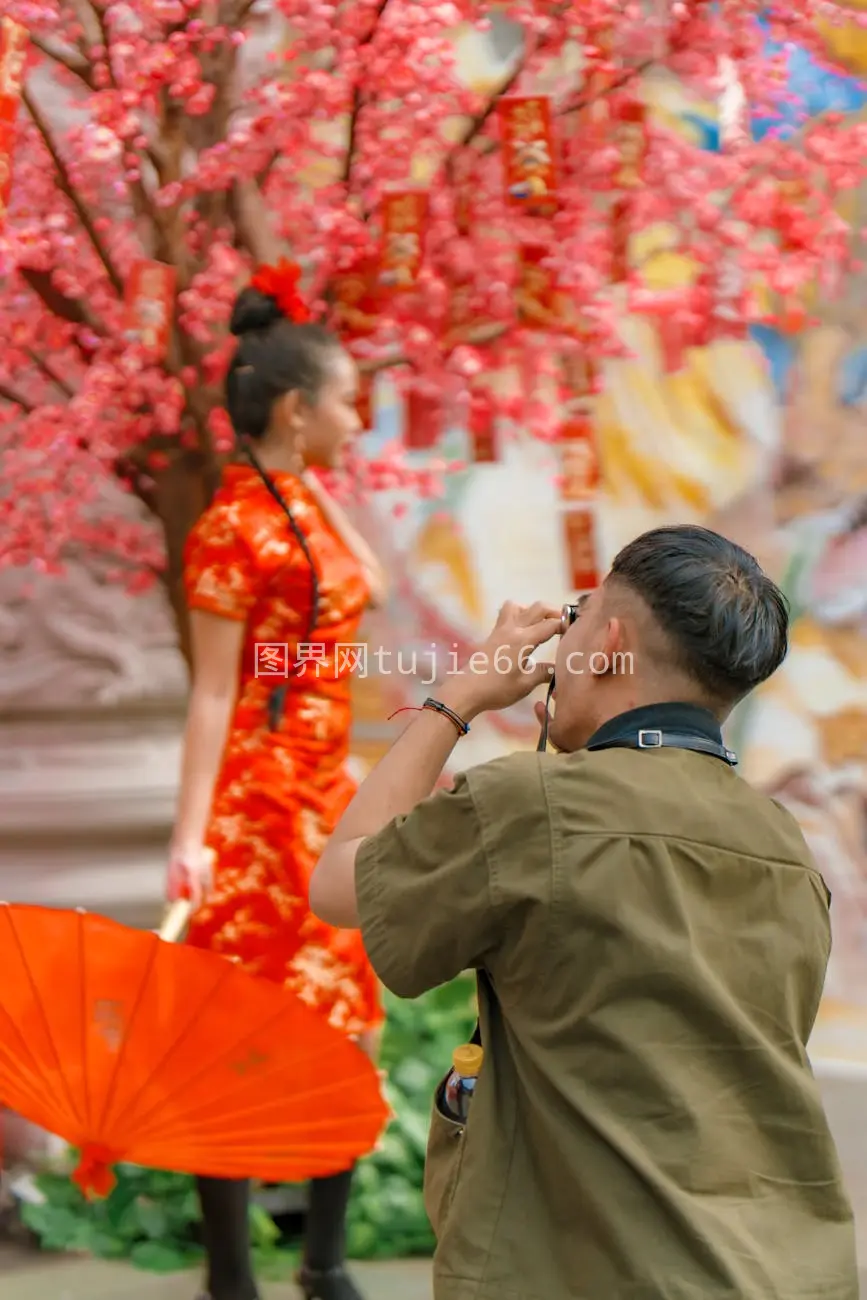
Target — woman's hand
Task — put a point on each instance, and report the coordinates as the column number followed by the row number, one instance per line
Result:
column 190, row 874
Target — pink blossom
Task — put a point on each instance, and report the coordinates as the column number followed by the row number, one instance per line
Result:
column 171, row 119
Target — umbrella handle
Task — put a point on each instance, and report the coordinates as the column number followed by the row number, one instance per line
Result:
column 175, row 920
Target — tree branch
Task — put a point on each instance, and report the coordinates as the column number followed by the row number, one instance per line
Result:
column 9, row 395
column 252, row 223
column 75, row 63
column 68, row 309
column 357, row 98
column 69, row 190
column 49, row 373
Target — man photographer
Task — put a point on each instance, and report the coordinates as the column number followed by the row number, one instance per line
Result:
column 651, row 937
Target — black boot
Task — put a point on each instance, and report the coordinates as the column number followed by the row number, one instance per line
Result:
column 226, row 1232
column 323, row 1275
column 330, row 1284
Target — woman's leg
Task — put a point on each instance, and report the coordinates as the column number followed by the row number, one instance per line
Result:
column 323, row 1275
column 226, row 1229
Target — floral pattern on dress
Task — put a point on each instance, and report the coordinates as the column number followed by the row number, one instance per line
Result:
column 280, row 793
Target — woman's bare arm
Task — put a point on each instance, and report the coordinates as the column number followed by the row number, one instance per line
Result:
column 216, row 650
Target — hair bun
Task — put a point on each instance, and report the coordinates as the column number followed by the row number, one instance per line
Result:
column 254, row 311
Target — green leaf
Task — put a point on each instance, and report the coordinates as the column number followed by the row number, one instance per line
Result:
column 158, row 1257
column 152, row 1218
column 263, row 1230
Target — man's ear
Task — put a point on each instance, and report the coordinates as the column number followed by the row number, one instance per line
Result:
column 602, row 659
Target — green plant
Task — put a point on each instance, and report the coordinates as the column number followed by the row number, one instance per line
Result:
column 151, row 1218
column 387, row 1217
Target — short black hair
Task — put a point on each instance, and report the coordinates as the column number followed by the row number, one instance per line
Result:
column 726, row 621
column 274, row 356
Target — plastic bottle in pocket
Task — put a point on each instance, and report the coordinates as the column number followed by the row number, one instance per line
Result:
column 461, row 1083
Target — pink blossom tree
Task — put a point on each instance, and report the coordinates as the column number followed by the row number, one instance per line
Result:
column 441, row 232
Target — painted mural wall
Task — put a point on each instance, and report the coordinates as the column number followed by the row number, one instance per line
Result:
column 764, row 440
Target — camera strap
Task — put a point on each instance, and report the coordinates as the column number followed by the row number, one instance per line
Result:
column 632, row 737
column 658, row 738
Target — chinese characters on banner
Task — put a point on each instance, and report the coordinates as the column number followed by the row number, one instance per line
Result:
column 632, row 140
column 580, row 479
column 579, row 459
column 536, row 293
column 355, row 301
column 581, row 548
column 528, row 151
column 13, row 55
column 403, row 222
column 149, row 302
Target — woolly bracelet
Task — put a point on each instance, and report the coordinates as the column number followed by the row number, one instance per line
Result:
column 463, row 727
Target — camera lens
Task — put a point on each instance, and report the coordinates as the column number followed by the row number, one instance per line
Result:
column 568, row 617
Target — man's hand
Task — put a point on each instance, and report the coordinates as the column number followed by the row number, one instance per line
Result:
column 503, row 670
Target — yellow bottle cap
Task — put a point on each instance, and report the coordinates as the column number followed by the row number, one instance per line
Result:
column 467, row 1059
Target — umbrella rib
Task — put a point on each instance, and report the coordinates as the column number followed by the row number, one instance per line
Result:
column 215, row 1061
column 72, row 1107
column 227, row 1117
column 25, row 1063
column 224, row 975
column 85, row 1082
column 22, row 1090
column 112, row 1088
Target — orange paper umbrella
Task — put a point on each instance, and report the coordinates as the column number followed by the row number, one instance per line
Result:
column 135, row 1050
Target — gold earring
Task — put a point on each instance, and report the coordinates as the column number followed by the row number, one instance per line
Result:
column 298, row 456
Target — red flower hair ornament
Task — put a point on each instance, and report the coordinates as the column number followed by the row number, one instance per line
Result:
column 280, row 282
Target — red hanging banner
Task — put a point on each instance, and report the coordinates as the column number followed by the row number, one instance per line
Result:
column 403, row 221
column 581, row 548
column 536, row 294
column 149, row 302
column 422, row 420
column 355, row 301
column 631, row 139
column 580, row 375
column 528, row 153
column 671, row 344
column 580, row 476
column 463, row 169
column 364, row 400
column 13, row 55
column 484, row 449
column 621, row 230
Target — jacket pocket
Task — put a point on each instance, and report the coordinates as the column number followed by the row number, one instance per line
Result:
column 445, row 1151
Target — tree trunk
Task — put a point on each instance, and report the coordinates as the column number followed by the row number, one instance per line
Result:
column 183, row 491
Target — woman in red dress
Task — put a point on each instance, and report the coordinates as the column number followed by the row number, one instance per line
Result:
column 276, row 582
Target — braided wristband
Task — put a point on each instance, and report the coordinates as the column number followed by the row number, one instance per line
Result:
column 437, row 707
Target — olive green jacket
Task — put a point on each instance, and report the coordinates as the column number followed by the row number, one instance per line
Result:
column 653, row 937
